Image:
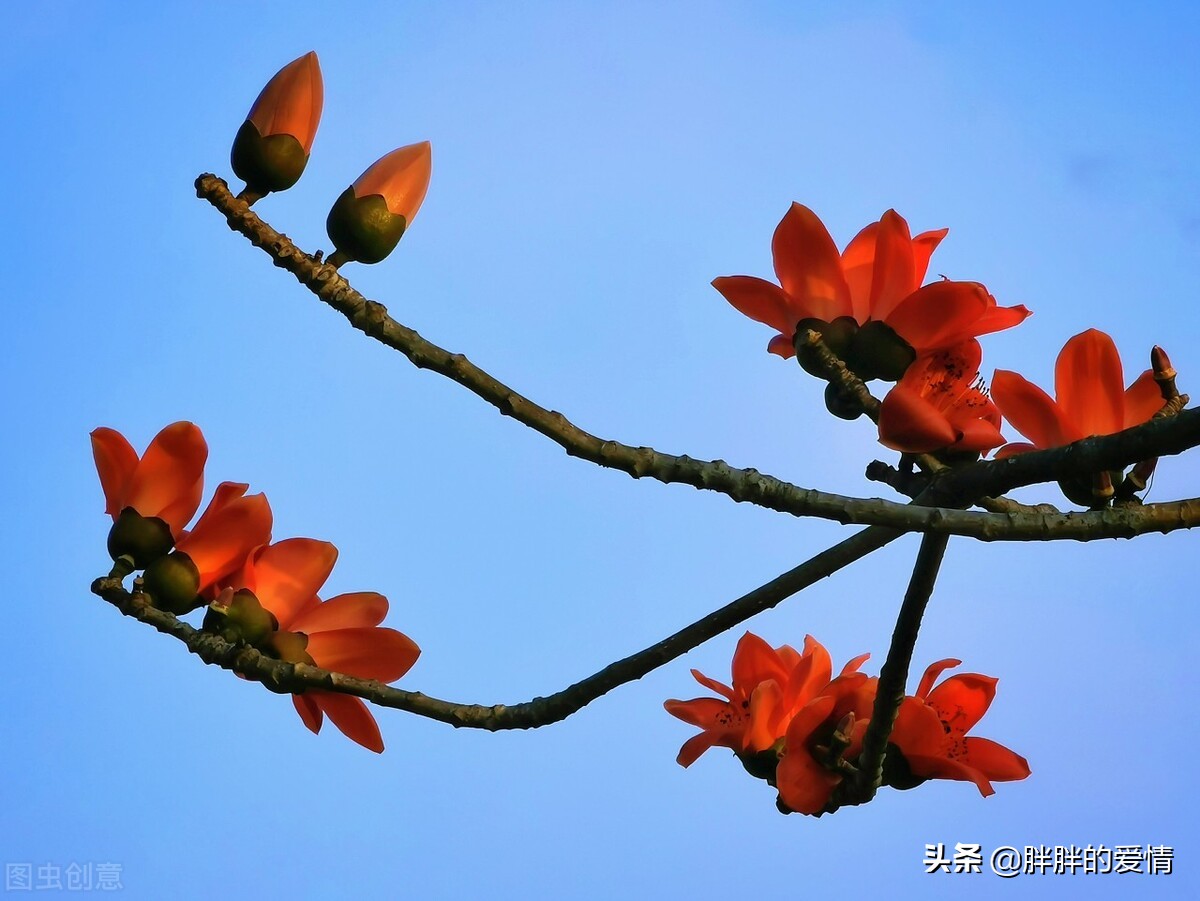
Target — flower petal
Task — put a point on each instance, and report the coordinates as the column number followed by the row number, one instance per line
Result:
column 892, row 278
column 285, row 576
column 694, row 747
column 309, row 711
column 1089, row 384
column 996, row 762
column 932, row 672
column 948, row 768
column 858, row 261
column 712, row 684
column 359, row 610
column 230, row 528
column 381, row 654
column 909, row 423
column 809, row 266
column 997, row 319
column 781, row 346
column 169, row 479
column 1142, row 400
column 755, row 661
column 351, row 716
column 939, row 315
column 115, row 462
column 962, row 700
column 1031, row 411
column 759, row 299
column 702, row 712
column 923, row 246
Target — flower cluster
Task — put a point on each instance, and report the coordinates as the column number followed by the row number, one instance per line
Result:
column 793, row 724
column 259, row 593
column 871, row 311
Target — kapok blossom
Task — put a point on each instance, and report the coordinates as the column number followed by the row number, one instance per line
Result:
column 232, row 525
column 769, row 685
column 940, row 404
column 1090, row 397
column 931, row 727
column 165, row 484
column 876, row 279
column 341, row 634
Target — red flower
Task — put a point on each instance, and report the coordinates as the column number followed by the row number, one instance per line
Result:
column 931, row 728
column 877, row 278
column 940, row 404
column 342, row 634
column 769, row 686
column 1090, row 397
column 166, row 482
column 808, row 773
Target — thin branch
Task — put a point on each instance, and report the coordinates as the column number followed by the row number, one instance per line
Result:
column 893, row 675
column 1014, row 522
column 284, row 677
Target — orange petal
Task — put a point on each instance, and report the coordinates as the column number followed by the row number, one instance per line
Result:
column 169, row 479
column 948, row 768
column 702, row 712
column 1013, row 448
column 359, row 610
column 227, row 533
column 809, row 266
column 781, row 346
column 892, row 276
column 939, row 315
column 291, row 102
column 995, row 761
column 997, row 319
column 858, row 261
column 923, row 246
column 309, row 712
column 285, row 576
column 804, row 785
column 401, row 178
column 909, row 423
column 854, row 664
column 694, row 747
column 1031, row 411
column 1089, row 384
column 962, row 700
column 351, row 716
column 767, row 715
column 761, row 300
column 712, row 684
column 755, row 661
column 381, row 654
column 918, row 731
column 115, row 462
column 932, row 672
column 1142, row 400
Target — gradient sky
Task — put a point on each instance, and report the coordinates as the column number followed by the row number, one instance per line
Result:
column 595, row 166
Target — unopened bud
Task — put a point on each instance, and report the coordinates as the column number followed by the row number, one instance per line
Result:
column 1161, row 364
column 173, row 583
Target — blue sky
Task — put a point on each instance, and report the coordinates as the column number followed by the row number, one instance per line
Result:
column 595, row 166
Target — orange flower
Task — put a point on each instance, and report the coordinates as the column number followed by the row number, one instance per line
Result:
column 931, row 727
column 231, row 526
column 1090, row 397
column 815, row 743
column 769, row 685
column 875, row 282
column 341, row 634
column 163, row 485
column 272, row 147
column 369, row 218
column 940, row 404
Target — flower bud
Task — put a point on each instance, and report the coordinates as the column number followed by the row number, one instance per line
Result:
column 272, row 146
column 143, row 538
column 368, row 219
column 173, row 583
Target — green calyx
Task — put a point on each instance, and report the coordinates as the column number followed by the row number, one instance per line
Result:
column 362, row 228
column 141, row 538
column 896, row 771
column 289, row 647
column 763, row 764
column 877, row 352
column 245, row 619
column 837, row 335
column 173, row 583
column 273, row 163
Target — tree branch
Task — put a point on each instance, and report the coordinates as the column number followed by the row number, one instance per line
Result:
column 283, row 677
column 743, row 485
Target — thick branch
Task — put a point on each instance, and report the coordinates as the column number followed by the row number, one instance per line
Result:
column 893, row 675
column 746, row 485
column 296, row 678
